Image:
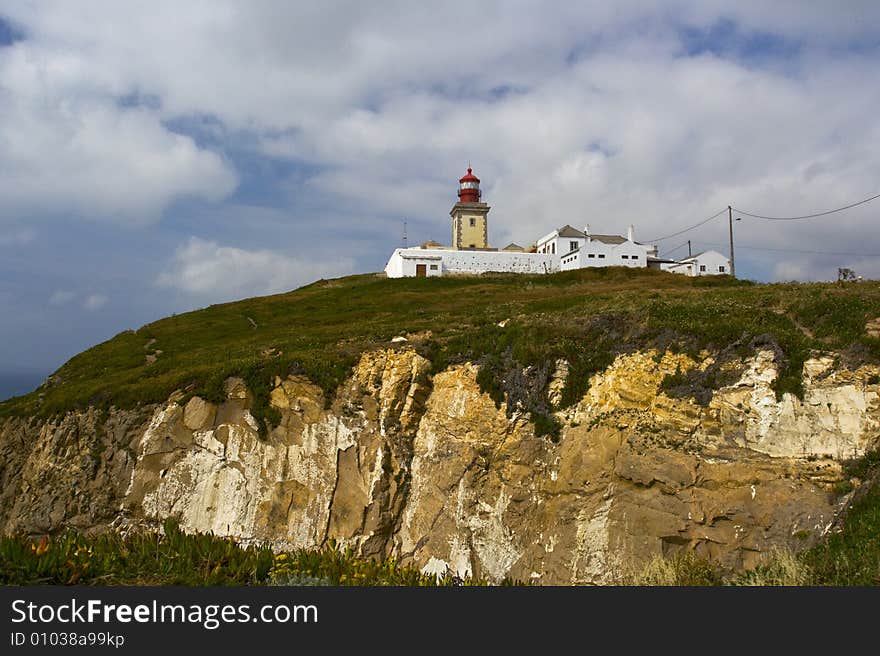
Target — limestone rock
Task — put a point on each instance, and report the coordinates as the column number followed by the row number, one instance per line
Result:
column 557, row 382
column 72, row 471
column 198, row 413
column 838, row 417
column 235, row 388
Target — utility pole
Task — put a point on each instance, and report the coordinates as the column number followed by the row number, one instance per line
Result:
column 689, row 248
column 730, row 221
column 404, row 234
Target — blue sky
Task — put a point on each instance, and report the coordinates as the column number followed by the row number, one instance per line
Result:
column 159, row 157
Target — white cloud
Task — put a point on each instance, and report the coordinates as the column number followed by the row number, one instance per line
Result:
column 95, row 302
column 594, row 112
column 70, row 146
column 210, row 272
column 90, row 302
column 61, row 297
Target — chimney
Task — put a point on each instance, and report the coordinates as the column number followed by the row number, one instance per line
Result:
column 587, row 230
column 631, row 232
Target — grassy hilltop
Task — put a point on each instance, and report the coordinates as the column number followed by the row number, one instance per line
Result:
column 585, row 316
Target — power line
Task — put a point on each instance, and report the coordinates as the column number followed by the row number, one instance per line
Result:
column 795, row 250
column 672, row 250
column 696, row 225
column 806, row 216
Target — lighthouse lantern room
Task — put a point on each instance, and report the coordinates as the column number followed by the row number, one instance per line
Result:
column 469, row 188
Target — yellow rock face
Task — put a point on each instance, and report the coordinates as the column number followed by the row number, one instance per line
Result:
column 428, row 469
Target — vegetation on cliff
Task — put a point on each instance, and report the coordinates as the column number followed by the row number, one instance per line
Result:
column 508, row 323
column 176, row 558
column 850, row 555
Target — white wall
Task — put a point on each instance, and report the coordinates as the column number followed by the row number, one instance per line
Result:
column 629, row 254
column 403, row 262
column 570, row 261
column 494, row 261
column 563, row 244
column 545, row 239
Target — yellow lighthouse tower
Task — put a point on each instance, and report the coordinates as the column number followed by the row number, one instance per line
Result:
column 470, row 227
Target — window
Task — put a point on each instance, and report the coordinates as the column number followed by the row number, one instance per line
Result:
column 473, row 222
column 624, row 257
column 433, row 267
column 633, row 257
column 702, row 267
column 591, row 255
column 554, row 248
column 721, row 269
column 601, row 256
column 572, row 246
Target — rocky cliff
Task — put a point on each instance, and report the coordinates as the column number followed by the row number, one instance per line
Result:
column 427, row 467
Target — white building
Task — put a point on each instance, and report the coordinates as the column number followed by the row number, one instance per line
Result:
column 559, row 242
column 571, row 248
column 414, row 262
column 705, row 263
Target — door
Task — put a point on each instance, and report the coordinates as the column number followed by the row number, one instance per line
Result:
column 421, row 270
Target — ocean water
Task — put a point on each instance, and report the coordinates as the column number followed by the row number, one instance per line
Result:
column 17, row 383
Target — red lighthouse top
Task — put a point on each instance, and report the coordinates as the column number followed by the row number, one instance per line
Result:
column 469, row 188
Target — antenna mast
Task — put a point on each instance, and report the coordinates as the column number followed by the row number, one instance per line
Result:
column 404, row 234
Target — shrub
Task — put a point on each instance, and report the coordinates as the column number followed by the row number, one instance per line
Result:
column 781, row 568
column 684, row 568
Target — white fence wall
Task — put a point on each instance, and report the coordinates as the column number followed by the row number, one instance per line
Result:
column 495, row 262
column 402, row 263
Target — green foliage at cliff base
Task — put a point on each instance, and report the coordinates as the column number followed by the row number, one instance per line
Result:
column 176, row 558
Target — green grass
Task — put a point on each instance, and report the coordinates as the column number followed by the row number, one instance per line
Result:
column 177, row 558
column 586, row 317
column 851, row 556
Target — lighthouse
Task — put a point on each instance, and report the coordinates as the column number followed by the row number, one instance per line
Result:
column 470, row 227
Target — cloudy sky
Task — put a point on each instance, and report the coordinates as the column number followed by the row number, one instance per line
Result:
column 157, row 157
